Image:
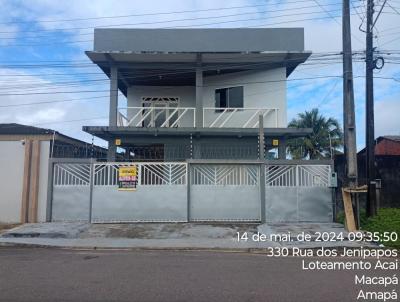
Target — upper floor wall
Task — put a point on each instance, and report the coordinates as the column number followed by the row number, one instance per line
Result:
column 263, row 92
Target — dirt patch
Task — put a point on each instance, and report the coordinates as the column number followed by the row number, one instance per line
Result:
column 129, row 231
column 7, row 226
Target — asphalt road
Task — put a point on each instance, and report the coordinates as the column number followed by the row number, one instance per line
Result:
column 66, row 275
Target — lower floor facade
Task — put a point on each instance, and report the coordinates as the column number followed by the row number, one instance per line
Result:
column 181, row 144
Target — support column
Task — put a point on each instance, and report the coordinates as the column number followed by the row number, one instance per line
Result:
column 261, row 140
column 113, row 110
column 282, row 148
column 199, row 92
column 34, row 183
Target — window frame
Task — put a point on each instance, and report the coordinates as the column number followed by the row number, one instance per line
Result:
column 221, row 109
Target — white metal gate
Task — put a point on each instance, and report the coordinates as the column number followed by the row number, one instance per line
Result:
column 221, row 192
column 180, row 192
column 295, row 193
column 161, row 194
column 71, row 192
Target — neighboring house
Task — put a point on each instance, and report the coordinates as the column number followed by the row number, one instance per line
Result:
column 24, row 160
column 387, row 159
column 386, row 145
column 197, row 93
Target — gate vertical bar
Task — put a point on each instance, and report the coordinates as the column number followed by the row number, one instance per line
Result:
column 262, row 190
column 188, row 184
column 91, row 181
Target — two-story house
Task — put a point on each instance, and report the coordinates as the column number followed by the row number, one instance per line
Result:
column 197, row 93
column 201, row 107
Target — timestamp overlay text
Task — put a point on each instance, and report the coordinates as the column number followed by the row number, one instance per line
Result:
column 368, row 254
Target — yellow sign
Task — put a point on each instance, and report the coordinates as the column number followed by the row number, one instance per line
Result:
column 127, row 178
column 275, row 142
column 118, row 142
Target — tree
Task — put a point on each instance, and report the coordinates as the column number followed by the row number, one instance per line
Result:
column 326, row 136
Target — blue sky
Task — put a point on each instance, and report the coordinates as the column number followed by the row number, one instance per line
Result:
column 42, row 55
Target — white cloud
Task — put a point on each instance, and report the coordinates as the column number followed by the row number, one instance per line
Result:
column 387, row 121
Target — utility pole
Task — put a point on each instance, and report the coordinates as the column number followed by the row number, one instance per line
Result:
column 369, row 111
column 349, row 125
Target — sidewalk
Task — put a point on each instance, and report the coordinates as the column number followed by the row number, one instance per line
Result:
column 167, row 235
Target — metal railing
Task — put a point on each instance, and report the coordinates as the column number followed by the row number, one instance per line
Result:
column 225, row 175
column 71, row 174
column 239, row 117
column 172, row 117
column 149, row 174
column 297, row 175
column 164, row 117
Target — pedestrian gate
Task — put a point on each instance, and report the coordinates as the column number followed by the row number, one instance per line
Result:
column 181, row 192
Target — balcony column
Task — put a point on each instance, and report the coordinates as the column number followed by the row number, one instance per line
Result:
column 282, row 148
column 112, row 148
column 199, row 92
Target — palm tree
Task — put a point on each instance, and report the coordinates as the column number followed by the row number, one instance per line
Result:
column 326, row 136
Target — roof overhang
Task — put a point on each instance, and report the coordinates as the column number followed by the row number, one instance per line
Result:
column 110, row 133
column 178, row 69
column 169, row 57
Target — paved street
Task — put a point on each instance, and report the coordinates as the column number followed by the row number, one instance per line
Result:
column 66, row 275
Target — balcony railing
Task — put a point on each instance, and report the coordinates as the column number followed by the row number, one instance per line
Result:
column 173, row 117
column 164, row 117
column 239, row 117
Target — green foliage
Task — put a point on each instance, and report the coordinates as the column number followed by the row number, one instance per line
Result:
column 326, row 132
column 387, row 220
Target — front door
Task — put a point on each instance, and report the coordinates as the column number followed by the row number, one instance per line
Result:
column 160, row 111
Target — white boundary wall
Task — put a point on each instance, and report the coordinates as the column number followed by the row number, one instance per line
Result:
column 11, row 175
column 12, row 155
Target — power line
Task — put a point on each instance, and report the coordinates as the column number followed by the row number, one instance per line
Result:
column 334, row 18
column 152, row 14
column 215, row 85
column 173, row 20
column 52, row 102
column 182, row 26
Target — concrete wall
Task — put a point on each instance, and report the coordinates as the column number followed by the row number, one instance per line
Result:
column 11, row 180
column 11, row 175
column 264, row 93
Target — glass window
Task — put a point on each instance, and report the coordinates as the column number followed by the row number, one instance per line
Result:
column 231, row 97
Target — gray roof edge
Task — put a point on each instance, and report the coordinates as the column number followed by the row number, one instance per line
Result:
column 199, row 39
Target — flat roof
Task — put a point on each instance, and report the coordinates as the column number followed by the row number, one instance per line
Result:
column 198, row 39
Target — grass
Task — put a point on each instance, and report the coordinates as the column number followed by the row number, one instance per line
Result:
column 387, row 220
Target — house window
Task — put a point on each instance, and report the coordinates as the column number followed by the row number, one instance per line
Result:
column 231, row 97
